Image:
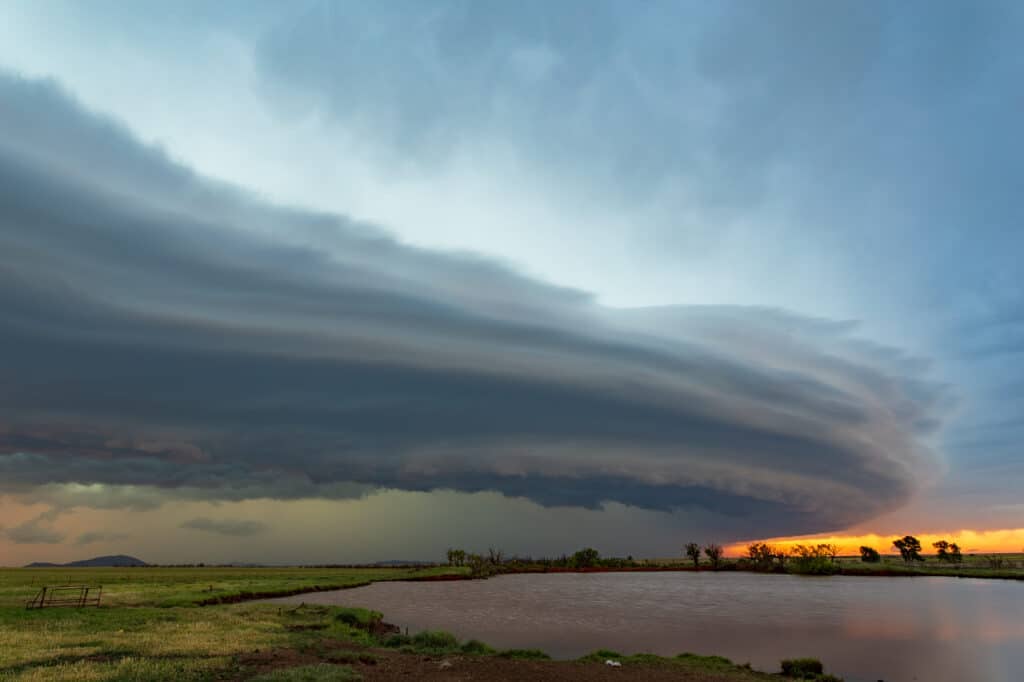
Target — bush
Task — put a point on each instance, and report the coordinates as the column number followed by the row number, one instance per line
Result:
column 802, row 668
column 816, row 560
column 475, row 646
column 705, row 661
column 435, row 639
column 761, row 555
column 586, row 558
column 869, row 555
column 398, row 641
column 358, row 618
column 528, row 654
column 601, row 655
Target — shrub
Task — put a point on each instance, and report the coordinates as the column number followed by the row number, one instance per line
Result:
column 601, row 655
column 869, row 555
column 398, row 641
column 802, row 668
column 586, row 558
column 479, row 567
column 815, row 560
column 528, row 654
column 435, row 639
column 706, row 661
column 475, row 646
column 358, row 618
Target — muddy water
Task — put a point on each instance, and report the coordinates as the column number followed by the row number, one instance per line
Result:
column 863, row 629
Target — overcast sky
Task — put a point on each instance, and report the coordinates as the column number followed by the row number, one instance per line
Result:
column 326, row 281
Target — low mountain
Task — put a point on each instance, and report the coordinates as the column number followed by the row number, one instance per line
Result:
column 114, row 560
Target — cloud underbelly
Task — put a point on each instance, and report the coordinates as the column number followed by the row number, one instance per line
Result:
column 160, row 330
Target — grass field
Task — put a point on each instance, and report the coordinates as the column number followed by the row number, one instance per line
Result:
column 150, row 627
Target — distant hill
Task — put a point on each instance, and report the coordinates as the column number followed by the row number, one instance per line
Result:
column 117, row 560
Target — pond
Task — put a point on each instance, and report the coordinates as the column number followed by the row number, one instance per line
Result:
column 862, row 628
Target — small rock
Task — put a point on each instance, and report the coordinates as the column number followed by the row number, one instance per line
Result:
column 614, row 664
column 445, row 664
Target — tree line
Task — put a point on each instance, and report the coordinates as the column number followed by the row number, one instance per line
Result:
column 818, row 558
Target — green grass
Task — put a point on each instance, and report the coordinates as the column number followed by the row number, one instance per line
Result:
column 150, row 628
column 188, row 586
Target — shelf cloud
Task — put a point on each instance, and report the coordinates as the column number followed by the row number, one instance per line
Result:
column 174, row 336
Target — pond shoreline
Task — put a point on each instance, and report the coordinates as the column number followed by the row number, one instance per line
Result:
column 895, row 572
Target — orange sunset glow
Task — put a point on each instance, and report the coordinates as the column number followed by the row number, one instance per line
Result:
column 971, row 541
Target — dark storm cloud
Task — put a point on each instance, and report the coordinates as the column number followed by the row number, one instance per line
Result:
column 886, row 134
column 238, row 528
column 174, row 337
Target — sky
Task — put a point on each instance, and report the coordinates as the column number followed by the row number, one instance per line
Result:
column 323, row 282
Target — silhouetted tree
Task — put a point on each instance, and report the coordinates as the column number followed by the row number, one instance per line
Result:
column 909, row 547
column 763, row 555
column 714, row 554
column 941, row 550
column 955, row 555
column 869, row 555
column 693, row 551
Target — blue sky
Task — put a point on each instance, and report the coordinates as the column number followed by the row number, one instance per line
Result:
column 543, row 186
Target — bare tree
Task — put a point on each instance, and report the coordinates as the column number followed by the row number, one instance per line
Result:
column 692, row 550
column 714, row 554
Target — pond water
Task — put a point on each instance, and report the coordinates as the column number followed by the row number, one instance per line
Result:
column 862, row 628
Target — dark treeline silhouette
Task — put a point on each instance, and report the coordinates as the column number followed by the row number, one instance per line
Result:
column 817, row 559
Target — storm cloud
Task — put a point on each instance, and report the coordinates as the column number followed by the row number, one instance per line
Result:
column 164, row 331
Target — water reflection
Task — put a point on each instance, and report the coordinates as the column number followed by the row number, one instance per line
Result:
column 862, row 628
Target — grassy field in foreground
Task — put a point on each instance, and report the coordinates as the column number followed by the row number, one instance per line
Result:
column 157, row 586
column 150, row 628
